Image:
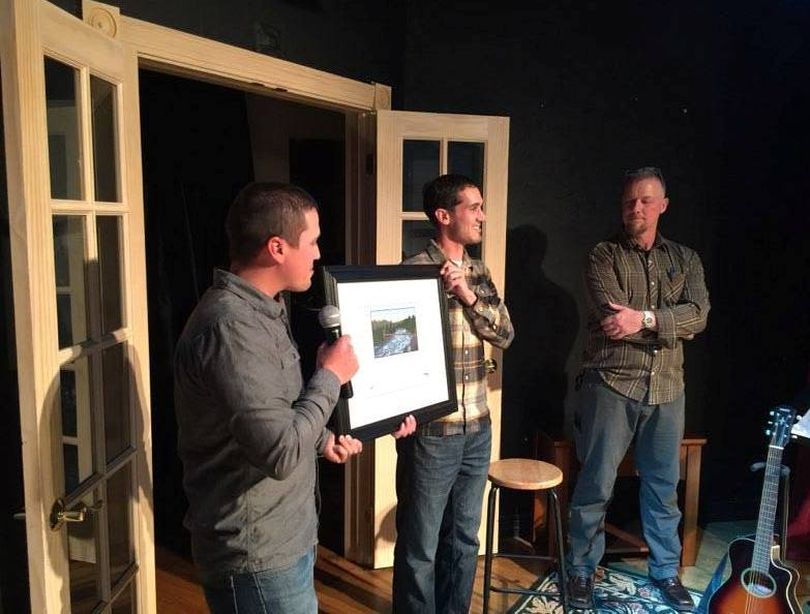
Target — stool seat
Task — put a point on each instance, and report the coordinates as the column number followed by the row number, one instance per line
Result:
column 524, row 474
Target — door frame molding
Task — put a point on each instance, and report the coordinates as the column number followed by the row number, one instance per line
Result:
column 188, row 55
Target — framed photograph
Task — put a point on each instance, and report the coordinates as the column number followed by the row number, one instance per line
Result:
column 397, row 318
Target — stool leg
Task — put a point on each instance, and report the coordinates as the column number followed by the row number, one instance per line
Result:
column 560, row 550
column 488, row 554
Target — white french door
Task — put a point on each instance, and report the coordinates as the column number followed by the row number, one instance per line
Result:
column 411, row 149
column 76, row 224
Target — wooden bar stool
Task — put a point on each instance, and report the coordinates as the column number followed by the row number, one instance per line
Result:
column 525, row 474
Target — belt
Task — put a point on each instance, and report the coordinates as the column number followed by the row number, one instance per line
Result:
column 446, row 429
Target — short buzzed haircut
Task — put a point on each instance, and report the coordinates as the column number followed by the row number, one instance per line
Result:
column 263, row 210
column 442, row 193
column 645, row 172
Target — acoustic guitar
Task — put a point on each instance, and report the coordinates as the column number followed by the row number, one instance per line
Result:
column 758, row 584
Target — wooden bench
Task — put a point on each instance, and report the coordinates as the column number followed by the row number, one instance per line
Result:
column 561, row 453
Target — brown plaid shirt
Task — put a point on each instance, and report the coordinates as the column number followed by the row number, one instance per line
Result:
column 667, row 280
column 487, row 320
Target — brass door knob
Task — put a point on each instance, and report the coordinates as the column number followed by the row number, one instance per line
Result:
column 60, row 515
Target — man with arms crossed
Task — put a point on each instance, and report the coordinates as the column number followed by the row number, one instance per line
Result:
column 442, row 469
column 249, row 427
column 646, row 295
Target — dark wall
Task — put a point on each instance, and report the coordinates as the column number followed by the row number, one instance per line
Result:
column 352, row 38
column 715, row 95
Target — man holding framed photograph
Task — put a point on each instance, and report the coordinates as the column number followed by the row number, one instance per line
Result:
column 442, row 470
column 250, row 427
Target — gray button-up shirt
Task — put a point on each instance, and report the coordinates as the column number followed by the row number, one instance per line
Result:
column 248, row 432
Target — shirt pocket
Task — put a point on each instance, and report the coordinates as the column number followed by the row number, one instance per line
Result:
column 673, row 289
column 291, row 364
column 290, row 357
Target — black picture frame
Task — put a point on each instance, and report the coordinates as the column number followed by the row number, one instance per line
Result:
column 398, row 320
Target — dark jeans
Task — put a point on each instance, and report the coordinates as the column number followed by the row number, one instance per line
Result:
column 605, row 425
column 274, row 591
column 440, row 490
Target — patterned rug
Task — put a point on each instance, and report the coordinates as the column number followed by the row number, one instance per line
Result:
column 614, row 593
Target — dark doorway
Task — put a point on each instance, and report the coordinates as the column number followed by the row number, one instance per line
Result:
column 201, row 144
column 318, row 164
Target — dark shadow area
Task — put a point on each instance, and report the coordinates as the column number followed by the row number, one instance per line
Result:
column 13, row 554
column 535, row 377
column 318, row 165
column 196, row 157
column 717, row 99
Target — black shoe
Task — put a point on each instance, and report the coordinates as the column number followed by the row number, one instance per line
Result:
column 673, row 592
column 580, row 592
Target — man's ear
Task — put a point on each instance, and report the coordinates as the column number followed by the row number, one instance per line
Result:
column 276, row 248
column 664, row 205
column 442, row 216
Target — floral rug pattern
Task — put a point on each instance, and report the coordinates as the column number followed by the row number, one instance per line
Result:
column 614, row 593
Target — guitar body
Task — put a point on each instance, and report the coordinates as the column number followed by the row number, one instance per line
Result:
column 746, row 592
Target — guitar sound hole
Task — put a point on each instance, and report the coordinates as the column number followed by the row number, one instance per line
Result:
column 758, row 584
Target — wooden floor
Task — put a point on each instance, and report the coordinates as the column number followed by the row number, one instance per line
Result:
column 342, row 586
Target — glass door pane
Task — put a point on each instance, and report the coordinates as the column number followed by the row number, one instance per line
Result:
column 108, row 235
column 465, row 158
column 85, row 589
column 416, row 234
column 119, row 495
column 420, row 164
column 125, row 602
column 105, row 140
column 64, row 144
column 71, row 288
column 77, row 423
column 115, row 385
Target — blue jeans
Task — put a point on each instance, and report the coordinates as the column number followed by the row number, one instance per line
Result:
column 273, row 591
column 440, row 490
column 605, row 424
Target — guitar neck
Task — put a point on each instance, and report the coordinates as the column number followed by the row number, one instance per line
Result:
column 767, row 511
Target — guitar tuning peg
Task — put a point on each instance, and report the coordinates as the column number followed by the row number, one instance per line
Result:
column 772, row 412
column 768, row 432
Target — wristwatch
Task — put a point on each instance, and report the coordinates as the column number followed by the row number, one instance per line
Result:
column 647, row 319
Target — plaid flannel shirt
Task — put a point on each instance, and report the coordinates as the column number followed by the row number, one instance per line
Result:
column 667, row 280
column 487, row 320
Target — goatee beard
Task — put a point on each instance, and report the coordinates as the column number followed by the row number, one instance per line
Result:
column 635, row 228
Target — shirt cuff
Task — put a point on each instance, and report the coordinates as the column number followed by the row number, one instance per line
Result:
column 665, row 320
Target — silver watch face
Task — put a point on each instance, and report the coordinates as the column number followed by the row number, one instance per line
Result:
column 647, row 320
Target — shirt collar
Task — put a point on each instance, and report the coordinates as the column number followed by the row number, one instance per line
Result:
column 248, row 292
column 438, row 256
column 629, row 243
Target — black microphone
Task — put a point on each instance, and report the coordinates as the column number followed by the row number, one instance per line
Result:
column 329, row 319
